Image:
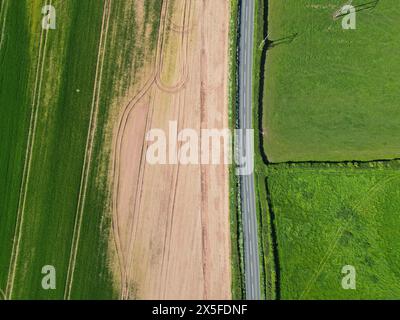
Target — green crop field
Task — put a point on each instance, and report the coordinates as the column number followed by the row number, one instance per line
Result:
column 59, row 91
column 14, row 70
column 332, row 94
column 327, row 218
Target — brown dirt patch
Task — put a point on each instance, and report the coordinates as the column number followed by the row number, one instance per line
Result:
column 171, row 222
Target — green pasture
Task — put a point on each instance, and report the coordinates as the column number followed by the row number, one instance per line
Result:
column 330, row 93
column 328, row 218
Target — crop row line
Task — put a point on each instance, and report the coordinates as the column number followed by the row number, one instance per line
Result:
column 28, row 161
column 89, row 148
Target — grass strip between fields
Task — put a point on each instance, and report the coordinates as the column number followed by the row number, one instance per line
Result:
column 237, row 254
column 266, row 246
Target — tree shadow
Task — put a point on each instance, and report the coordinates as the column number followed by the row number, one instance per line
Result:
column 286, row 40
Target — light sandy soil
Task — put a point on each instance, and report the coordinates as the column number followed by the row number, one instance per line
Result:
column 171, row 222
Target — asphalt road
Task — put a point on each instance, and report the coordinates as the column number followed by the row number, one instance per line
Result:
column 247, row 192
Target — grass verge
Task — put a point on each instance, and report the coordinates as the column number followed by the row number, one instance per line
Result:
column 237, row 260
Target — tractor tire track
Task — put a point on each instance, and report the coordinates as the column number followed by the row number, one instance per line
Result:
column 184, row 41
column 117, row 150
column 171, row 205
column 28, row 159
column 89, row 147
column 123, row 257
column 139, row 191
column 138, row 195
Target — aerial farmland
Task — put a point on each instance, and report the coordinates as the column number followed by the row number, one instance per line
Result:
column 332, row 91
column 328, row 116
column 199, row 150
column 82, row 83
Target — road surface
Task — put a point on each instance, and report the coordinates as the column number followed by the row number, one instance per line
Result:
column 247, row 193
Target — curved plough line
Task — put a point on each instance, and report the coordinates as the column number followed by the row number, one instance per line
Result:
column 117, row 150
column 138, row 198
column 175, row 89
column 127, row 110
column 184, row 48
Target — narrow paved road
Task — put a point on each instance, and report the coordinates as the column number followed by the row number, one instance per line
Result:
column 248, row 202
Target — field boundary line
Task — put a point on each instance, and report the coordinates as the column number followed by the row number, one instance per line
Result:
column 27, row 162
column 89, row 147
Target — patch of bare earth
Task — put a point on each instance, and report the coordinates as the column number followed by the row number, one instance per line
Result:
column 171, row 222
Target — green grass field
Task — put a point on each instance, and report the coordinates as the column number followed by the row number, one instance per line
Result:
column 47, row 97
column 332, row 94
column 331, row 217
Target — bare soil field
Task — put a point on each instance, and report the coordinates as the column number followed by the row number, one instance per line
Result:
column 171, row 222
